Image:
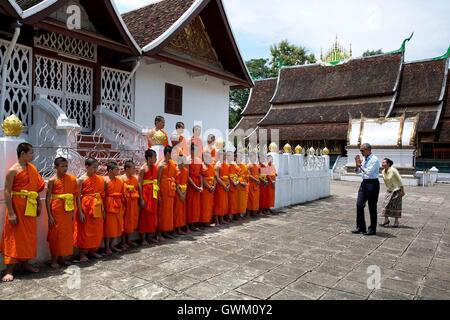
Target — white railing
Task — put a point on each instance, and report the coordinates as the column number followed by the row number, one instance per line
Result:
column 119, row 131
column 301, row 178
column 51, row 126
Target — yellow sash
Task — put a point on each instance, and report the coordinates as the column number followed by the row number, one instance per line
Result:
column 68, row 200
column 235, row 178
column 155, row 187
column 98, row 204
column 263, row 177
column 132, row 191
column 210, row 180
column 183, row 187
column 32, row 199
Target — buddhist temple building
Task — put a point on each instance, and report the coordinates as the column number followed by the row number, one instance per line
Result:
column 313, row 104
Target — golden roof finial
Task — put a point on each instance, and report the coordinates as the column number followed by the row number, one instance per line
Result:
column 12, row 126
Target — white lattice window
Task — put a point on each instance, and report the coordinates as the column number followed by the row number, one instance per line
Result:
column 112, row 81
column 68, row 85
column 18, row 82
column 67, row 45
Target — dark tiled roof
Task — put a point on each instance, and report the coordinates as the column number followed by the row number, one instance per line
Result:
column 332, row 131
column 422, row 82
column 27, row 4
column 444, row 134
column 324, row 114
column 446, row 110
column 373, row 76
column 259, row 100
column 248, row 123
column 148, row 23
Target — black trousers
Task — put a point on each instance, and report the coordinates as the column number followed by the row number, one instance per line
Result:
column 368, row 192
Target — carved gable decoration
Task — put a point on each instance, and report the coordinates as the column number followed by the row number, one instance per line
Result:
column 63, row 14
column 194, row 43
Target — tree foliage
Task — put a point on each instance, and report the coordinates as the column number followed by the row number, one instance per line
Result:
column 369, row 53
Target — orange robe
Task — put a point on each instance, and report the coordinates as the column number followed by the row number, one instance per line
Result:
column 207, row 206
column 19, row 242
column 253, row 190
column 221, row 196
column 194, row 198
column 148, row 216
column 243, row 191
column 60, row 235
column 167, row 196
column 197, row 142
column 272, row 175
column 114, row 205
column 131, row 213
column 89, row 235
column 185, row 150
column 233, row 204
column 179, row 209
column 263, row 189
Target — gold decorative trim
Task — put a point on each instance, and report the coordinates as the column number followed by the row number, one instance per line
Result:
column 400, row 132
column 412, row 141
column 361, row 129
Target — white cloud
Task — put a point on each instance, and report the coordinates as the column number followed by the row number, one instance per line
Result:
column 368, row 24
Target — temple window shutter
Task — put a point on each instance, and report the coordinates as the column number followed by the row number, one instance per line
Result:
column 174, row 99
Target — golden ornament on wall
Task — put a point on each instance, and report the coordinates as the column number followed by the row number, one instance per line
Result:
column 12, row 126
column 287, row 148
column 220, row 144
column 325, row 151
column 298, row 149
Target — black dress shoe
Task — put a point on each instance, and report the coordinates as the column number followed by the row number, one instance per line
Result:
column 370, row 233
column 357, row 231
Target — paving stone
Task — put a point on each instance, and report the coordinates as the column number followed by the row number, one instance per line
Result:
column 308, row 289
column 340, row 295
column 384, row 294
column 289, row 295
column 258, row 290
column 149, row 292
column 205, row 291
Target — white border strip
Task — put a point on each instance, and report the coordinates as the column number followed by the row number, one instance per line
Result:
column 124, row 26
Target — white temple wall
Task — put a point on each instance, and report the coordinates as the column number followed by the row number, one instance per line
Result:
column 205, row 98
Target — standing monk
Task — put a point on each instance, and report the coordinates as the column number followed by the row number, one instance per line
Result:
column 197, row 140
column 254, row 182
column 182, row 141
column 210, row 148
column 160, row 123
column 233, row 201
column 243, row 185
column 22, row 186
column 131, row 214
column 167, row 172
column 148, row 194
column 195, row 188
column 223, row 187
column 209, row 186
column 62, row 194
column 272, row 178
column 179, row 210
column 263, row 186
column 114, row 207
column 91, row 212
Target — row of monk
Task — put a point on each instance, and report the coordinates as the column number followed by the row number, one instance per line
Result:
column 164, row 199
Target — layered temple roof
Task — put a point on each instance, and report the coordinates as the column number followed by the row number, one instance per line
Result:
column 191, row 33
column 258, row 104
column 315, row 102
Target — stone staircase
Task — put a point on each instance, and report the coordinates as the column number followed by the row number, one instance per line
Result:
column 339, row 167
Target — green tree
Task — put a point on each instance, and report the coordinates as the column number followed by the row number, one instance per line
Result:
column 285, row 54
column 369, row 53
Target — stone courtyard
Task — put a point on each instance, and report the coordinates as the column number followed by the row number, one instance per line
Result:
column 305, row 252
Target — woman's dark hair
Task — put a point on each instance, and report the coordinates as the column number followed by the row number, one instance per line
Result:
column 389, row 161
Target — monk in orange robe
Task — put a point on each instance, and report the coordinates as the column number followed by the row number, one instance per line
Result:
column 209, row 186
column 210, row 147
column 88, row 233
column 167, row 173
column 263, row 187
column 195, row 189
column 114, row 206
column 131, row 213
column 182, row 141
column 22, row 185
column 243, row 185
column 222, row 189
column 160, row 123
column 62, row 194
column 148, row 193
column 272, row 178
column 233, row 202
column 254, row 182
column 179, row 210
column 196, row 140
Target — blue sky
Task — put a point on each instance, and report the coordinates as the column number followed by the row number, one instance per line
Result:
column 314, row 24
